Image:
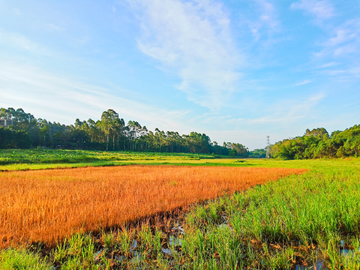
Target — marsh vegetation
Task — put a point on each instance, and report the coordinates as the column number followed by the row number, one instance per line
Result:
column 308, row 220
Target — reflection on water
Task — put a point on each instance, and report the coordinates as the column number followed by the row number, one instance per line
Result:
column 133, row 245
column 319, row 265
column 167, row 251
column 174, row 241
column 119, row 258
column 138, row 258
column 178, row 229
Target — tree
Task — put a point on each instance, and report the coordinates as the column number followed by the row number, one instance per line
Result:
column 20, row 129
column 240, row 149
column 135, row 131
column 117, row 130
column 257, row 153
column 43, row 132
column 160, row 138
column 78, row 123
column 92, row 129
column 110, row 124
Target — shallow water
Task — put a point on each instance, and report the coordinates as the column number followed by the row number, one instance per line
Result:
column 167, row 251
column 319, row 265
column 175, row 241
column 178, row 229
column 133, row 245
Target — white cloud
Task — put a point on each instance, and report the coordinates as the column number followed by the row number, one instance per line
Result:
column 321, row 9
column 62, row 99
column 355, row 71
column 287, row 112
column 342, row 49
column 342, row 35
column 53, row 27
column 303, row 82
column 284, row 117
column 191, row 39
column 250, row 139
column 345, row 39
column 346, row 74
column 17, row 40
column 330, row 64
column 268, row 19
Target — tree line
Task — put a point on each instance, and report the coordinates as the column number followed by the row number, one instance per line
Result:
column 22, row 130
column 317, row 143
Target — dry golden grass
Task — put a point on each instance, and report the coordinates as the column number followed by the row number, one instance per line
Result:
column 47, row 205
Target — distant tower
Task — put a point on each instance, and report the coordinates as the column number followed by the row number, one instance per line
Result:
column 268, row 147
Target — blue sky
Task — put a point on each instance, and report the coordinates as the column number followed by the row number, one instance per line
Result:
column 237, row 70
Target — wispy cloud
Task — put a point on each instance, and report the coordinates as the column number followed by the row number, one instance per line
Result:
column 268, row 19
column 320, row 9
column 53, row 27
column 191, row 39
column 287, row 112
column 303, row 82
column 349, row 74
column 286, row 115
column 330, row 64
column 17, row 40
column 342, row 48
column 61, row 99
column 345, row 40
column 251, row 139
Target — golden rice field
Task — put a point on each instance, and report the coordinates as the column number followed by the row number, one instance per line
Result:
column 47, row 205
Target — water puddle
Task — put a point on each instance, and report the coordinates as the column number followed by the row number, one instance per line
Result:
column 133, row 245
column 178, row 229
column 225, row 225
column 137, row 257
column 319, row 265
column 119, row 258
column 175, row 241
column 344, row 251
column 98, row 254
column 167, row 251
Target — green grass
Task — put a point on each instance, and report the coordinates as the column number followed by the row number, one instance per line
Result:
column 298, row 220
column 17, row 159
column 29, row 156
column 50, row 159
column 22, row 259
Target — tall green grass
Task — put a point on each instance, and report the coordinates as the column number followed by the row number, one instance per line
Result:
column 22, row 259
column 297, row 220
column 12, row 156
column 17, row 159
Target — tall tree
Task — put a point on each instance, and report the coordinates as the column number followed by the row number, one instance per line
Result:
column 135, row 131
column 110, row 124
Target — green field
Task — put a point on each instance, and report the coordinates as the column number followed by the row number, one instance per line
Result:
column 309, row 220
column 16, row 159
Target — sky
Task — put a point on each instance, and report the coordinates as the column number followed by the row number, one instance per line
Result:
column 236, row 70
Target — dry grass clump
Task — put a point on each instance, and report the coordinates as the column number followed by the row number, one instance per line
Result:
column 47, row 205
